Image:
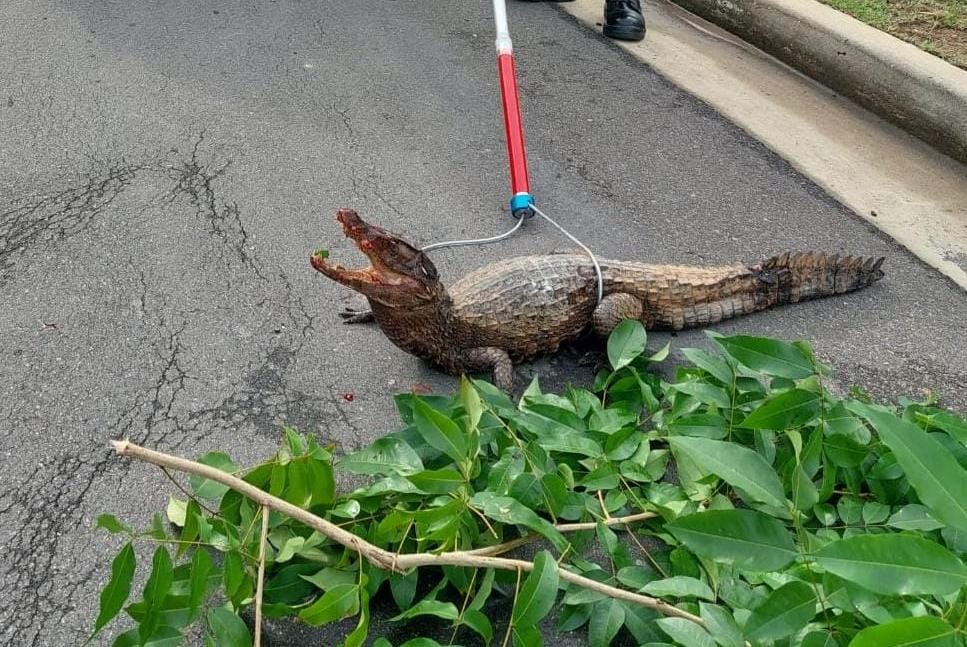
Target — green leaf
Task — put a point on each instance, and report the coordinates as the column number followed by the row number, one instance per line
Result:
column 875, row 513
column 330, row 577
column 840, row 422
column 176, row 511
column 358, row 635
column 843, row 451
column 751, row 540
column 439, row 432
column 937, row 477
column 527, row 637
column 951, row 423
column 787, row 410
column 383, row 457
column 914, row 517
column 191, row 528
column 537, row 595
column 290, row 547
column 163, row 636
column 819, row 639
column 926, row 631
column 603, row 477
column 442, row 481
column 322, row 482
column 721, row 625
column 155, row 590
column 804, row 493
column 783, row 613
column 110, row 523
column 297, row 483
column 850, row 510
column 348, row 509
column 232, row 572
column 685, row 632
column 714, row 366
column 479, row 623
column 472, row 406
column 528, row 490
column 704, row 392
column 294, row 441
column 606, row 621
column 702, row 425
column 508, row 510
column 894, row 564
column 436, row 608
column 338, row 602
column 568, row 441
column 769, row 356
column 738, row 466
column 626, row 342
column 403, row 588
column 661, row 354
column 679, row 587
column 201, row 567
column 608, row 421
column 228, row 629
column 574, row 616
column 206, row 488
column 117, row 589
column 622, row 444
column 640, row 623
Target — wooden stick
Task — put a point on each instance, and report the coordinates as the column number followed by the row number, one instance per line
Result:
column 387, row 560
column 261, row 581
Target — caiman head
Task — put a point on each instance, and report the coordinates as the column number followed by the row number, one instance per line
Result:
column 399, row 275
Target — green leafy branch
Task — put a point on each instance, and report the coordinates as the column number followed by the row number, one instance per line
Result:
column 754, row 508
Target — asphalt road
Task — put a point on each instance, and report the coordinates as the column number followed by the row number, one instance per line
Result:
column 166, row 168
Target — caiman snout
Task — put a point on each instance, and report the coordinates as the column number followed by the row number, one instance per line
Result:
column 397, row 268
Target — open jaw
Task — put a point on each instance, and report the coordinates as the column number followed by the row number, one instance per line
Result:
column 393, row 261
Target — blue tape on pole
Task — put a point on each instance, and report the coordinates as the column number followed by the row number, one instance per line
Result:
column 521, row 202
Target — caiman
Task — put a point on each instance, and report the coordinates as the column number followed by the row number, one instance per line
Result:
column 519, row 308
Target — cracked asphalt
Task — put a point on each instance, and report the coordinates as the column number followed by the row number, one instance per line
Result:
column 166, row 168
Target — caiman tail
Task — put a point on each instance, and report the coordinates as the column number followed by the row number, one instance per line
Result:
column 790, row 278
column 686, row 297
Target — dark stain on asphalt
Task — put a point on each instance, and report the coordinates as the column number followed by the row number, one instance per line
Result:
column 174, row 409
column 61, row 214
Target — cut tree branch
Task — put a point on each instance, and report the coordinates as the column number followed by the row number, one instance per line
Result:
column 507, row 546
column 379, row 557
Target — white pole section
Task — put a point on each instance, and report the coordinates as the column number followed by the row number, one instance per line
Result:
column 504, row 46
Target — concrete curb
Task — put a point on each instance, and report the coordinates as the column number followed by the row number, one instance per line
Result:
column 917, row 91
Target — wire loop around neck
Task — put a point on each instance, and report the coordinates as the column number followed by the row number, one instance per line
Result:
column 513, row 230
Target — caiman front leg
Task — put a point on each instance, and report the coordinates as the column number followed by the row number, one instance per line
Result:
column 493, row 359
column 614, row 309
column 354, row 316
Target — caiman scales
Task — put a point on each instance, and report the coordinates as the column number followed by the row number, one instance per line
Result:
column 519, row 308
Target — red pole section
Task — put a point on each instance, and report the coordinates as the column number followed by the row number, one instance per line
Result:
column 512, row 124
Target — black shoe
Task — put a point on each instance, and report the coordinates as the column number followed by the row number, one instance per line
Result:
column 623, row 20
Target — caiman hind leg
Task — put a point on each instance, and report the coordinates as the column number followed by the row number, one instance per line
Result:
column 493, row 359
column 613, row 309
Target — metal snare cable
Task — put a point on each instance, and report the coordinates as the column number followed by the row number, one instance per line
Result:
column 475, row 241
column 594, row 260
column 508, row 234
